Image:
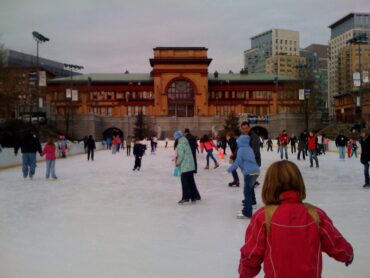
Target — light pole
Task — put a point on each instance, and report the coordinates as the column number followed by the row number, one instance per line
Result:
column 39, row 39
column 359, row 39
column 69, row 111
column 300, row 67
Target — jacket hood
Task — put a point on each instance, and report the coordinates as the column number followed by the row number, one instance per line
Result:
column 243, row 141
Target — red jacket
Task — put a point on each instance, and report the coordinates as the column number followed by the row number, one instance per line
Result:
column 283, row 139
column 311, row 143
column 49, row 152
column 207, row 146
column 294, row 245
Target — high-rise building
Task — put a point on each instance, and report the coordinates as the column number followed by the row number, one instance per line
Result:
column 342, row 31
column 269, row 44
column 316, row 58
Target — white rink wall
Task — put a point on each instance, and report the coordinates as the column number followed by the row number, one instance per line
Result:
column 8, row 159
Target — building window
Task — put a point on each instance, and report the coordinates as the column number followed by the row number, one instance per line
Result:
column 102, row 111
column 143, row 110
column 218, row 110
column 136, row 111
column 129, row 110
column 109, row 109
column 95, row 110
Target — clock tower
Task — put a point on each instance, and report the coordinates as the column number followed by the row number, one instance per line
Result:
column 180, row 81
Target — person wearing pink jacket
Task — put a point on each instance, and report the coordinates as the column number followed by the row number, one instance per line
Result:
column 49, row 152
column 208, row 145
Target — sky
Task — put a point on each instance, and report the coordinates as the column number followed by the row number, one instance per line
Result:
column 113, row 36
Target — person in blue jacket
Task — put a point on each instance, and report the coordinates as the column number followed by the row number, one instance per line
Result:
column 246, row 160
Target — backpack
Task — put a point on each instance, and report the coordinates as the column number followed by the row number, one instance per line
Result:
column 270, row 210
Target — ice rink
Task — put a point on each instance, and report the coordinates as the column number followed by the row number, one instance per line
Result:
column 101, row 219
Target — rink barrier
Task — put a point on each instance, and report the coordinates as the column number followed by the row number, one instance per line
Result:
column 9, row 160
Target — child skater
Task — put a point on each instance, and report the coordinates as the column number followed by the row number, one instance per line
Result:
column 288, row 236
column 138, row 151
column 49, row 152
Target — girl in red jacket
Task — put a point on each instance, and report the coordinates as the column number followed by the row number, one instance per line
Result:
column 49, row 152
column 288, row 236
column 207, row 144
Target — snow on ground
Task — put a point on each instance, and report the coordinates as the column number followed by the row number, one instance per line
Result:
column 101, row 219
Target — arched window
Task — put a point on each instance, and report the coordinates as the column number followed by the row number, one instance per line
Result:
column 181, row 99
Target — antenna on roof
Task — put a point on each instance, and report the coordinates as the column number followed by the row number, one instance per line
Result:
column 127, row 72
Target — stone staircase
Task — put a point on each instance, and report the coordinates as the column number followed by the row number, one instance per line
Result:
column 333, row 129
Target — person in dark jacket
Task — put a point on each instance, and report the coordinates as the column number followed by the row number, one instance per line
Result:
column 138, row 151
column 193, row 146
column 29, row 145
column 90, row 145
column 365, row 157
column 254, row 143
column 269, row 145
column 234, row 149
column 341, row 143
column 293, row 141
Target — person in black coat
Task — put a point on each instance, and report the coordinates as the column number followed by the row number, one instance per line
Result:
column 29, row 146
column 365, row 157
column 193, row 146
column 293, row 141
column 234, row 149
column 90, row 146
column 254, row 143
column 138, row 151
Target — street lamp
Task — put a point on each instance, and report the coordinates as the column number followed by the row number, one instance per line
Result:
column 69, row 111
column 39, row 39
column 300, row 67
column 359, row 39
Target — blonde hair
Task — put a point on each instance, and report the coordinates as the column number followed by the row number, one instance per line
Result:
column 280, row 177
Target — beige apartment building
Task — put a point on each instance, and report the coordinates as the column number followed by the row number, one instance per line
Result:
column 342, row 31
column 284, row 65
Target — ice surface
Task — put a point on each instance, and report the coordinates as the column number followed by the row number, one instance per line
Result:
column 101, row 219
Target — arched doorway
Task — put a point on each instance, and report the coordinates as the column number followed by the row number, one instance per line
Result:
column 181, row 98
column 260, row 131
column 112, row 131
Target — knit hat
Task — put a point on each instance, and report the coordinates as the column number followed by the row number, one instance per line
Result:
column 177, row 134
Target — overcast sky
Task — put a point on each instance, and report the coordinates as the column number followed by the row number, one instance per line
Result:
column 115, row 35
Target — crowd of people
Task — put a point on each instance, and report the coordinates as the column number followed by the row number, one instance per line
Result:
column 283, row 190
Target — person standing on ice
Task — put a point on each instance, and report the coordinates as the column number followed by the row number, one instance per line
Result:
column 128, row 145
column 246, row 160
column 90, row 148
column 207, row 144
column 234, row 149
column 254, row 143
column 341, row 143
column 288, row 236
column 284, row 141
column 365, row 156
column 312, row 149
column 185, row 162
column 50, row 157
column 29, row 146
column 138, row 151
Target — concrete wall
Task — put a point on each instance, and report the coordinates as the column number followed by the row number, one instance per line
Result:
column 165, row 126
column 8, row 159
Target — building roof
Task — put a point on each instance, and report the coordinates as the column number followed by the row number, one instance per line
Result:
column 107, row 77
column 345, row 18
column 147, row 78
column 180, row 48
column 250, row 77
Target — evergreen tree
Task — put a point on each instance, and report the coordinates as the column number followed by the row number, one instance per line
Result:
column 141, row 129
column 232, row 124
